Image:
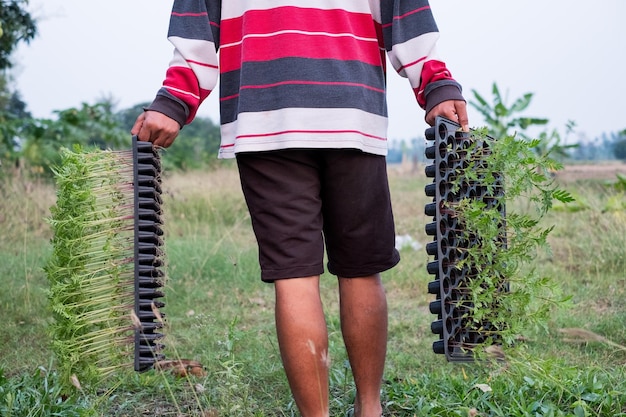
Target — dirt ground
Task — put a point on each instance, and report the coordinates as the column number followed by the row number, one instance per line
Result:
column 600, row 171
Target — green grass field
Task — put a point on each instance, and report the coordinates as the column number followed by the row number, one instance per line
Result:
column 219, row 313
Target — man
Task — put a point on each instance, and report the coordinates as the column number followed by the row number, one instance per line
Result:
column 303, row 109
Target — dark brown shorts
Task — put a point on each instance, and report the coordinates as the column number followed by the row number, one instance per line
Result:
column 300, row 198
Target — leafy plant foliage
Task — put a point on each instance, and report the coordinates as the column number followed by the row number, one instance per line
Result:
column 91, row 269
column 504, row 119
column 506, row 291
column 16, row 25
column 39, row 394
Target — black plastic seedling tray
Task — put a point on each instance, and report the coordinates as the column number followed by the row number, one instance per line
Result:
column 449, row 149
column 148, row 255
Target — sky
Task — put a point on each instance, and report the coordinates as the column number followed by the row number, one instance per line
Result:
column 570, row 54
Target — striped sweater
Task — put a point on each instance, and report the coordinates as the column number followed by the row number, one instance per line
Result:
column 300, row 73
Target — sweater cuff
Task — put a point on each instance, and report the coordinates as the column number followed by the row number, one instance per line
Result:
column 441, row 91
column 171, row 108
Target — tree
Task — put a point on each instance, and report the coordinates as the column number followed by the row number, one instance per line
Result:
column 619, row 146
column 16, row 25
column 13, row 112
column 89, row 126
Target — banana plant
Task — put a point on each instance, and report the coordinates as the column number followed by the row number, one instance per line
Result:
column 503, row 119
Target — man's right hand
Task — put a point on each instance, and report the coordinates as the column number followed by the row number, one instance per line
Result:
column 155, row 127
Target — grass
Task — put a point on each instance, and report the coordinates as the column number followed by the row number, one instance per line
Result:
column 219, row 313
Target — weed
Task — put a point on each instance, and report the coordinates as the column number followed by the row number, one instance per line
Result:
column 39, row 394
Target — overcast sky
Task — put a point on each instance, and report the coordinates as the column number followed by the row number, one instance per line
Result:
column 570, row 54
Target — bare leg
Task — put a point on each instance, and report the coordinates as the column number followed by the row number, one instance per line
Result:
column 363, row 310
column 303, row 341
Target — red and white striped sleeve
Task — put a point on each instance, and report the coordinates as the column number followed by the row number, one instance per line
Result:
column 193, row 71
column 410, row 36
